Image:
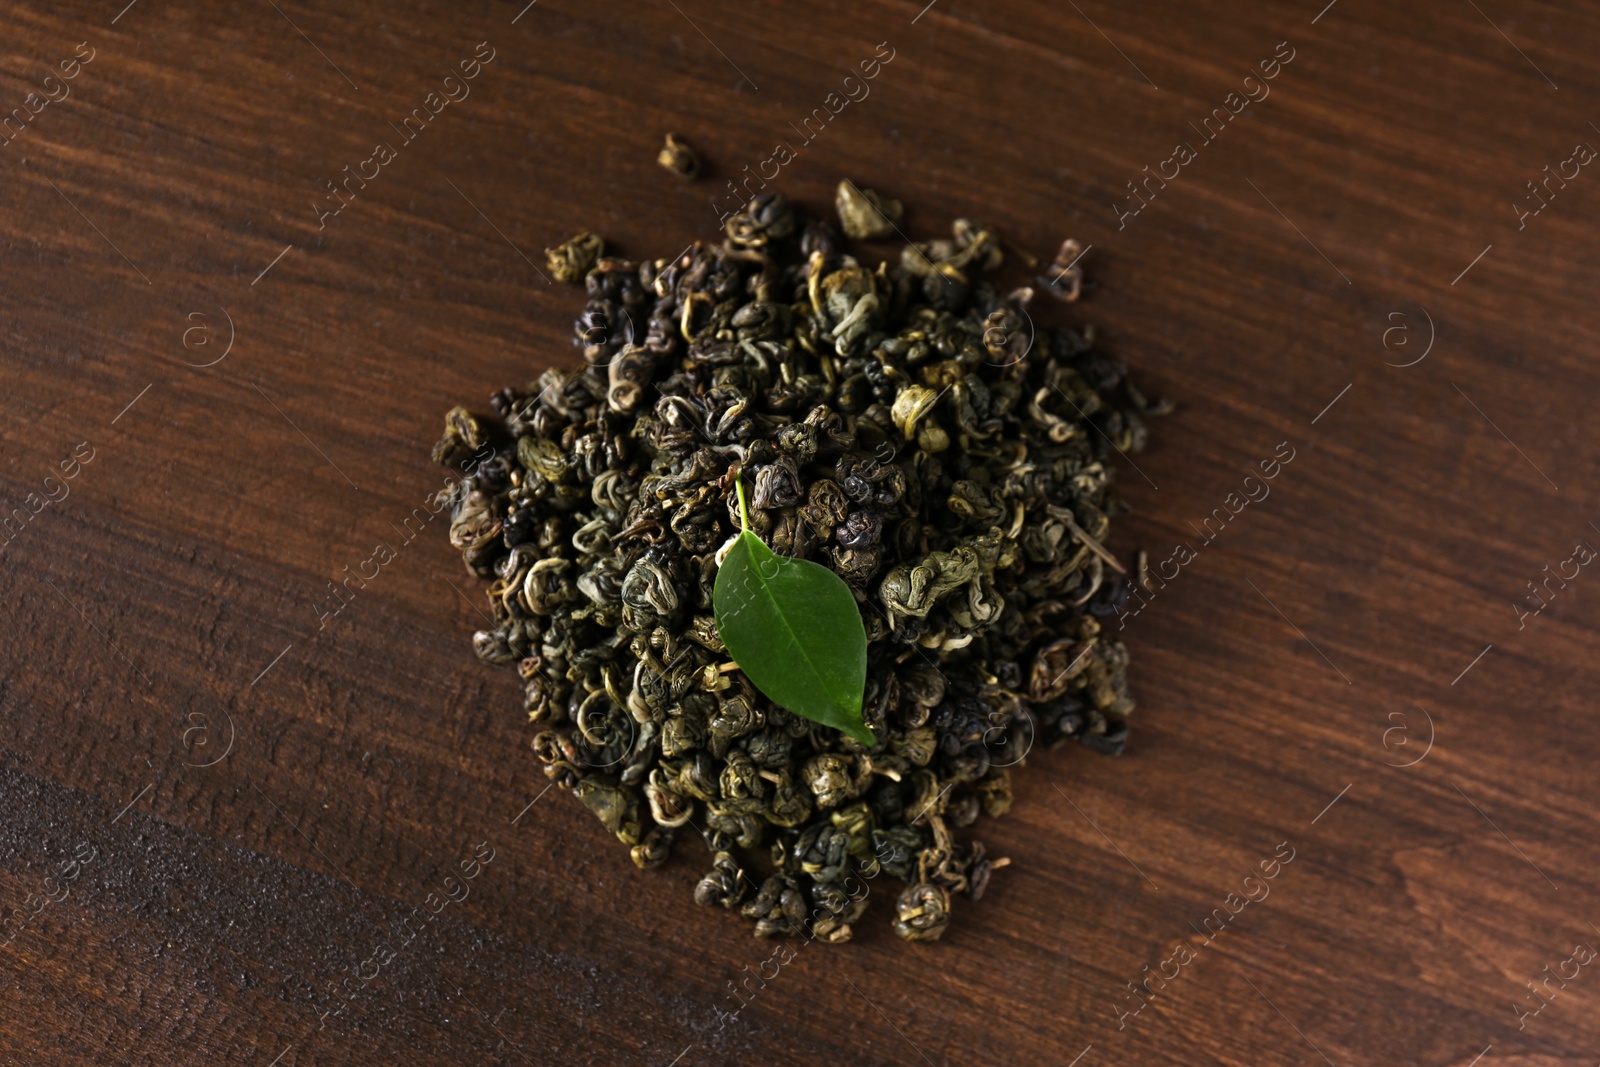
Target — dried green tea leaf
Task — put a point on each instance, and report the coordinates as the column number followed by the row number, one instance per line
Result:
column 571, row 260
column 678, row 157
column 795, row 631
column 864, row 214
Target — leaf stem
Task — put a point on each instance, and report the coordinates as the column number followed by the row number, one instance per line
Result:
column 744, row 509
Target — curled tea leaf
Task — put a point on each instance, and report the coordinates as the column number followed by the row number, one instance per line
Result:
column 679, row 158
column 795, row 631
column 571, row 260
column 864, row 214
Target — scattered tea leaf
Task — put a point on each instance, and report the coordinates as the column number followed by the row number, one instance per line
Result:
column 678, row 157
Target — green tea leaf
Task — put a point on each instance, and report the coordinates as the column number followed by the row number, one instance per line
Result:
column 794, row 629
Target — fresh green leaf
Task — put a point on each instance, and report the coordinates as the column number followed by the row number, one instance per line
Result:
column 794, row 629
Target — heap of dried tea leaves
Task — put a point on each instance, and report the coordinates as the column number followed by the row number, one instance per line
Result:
column 904, row 426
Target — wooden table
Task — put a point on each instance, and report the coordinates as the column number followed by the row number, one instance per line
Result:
column 222, row 810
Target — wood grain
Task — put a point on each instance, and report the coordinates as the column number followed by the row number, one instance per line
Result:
column 165, row 606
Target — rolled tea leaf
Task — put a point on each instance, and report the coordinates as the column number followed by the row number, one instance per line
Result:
column 794, row 629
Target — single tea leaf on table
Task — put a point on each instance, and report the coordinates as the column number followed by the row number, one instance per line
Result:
column 794, row 629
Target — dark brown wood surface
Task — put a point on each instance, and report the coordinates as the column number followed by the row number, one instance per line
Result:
column 217, row 816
